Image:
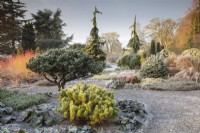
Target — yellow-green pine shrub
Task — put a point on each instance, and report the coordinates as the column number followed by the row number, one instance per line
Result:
column 87, row 103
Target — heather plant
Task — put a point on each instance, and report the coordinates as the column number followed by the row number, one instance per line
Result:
column 87, row 103
column 20, row 100
column 172, row 85
column 154, row 68
column 116, row 84
column 62, row 65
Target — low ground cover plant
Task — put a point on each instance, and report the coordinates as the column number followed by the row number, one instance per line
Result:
column 170, row 85
column 20, row 100
column 116, row 84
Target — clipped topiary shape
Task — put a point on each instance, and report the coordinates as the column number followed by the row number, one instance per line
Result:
column 62, row 65
column 87, row 103
column 153, row 68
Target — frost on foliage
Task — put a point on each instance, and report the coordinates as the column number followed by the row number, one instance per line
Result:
column 153, row 68
column 62, row 65
column 87, row 103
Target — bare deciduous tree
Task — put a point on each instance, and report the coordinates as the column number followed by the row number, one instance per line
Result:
column 162, row 30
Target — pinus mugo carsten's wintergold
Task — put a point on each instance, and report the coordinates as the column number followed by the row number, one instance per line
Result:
column 87, row 103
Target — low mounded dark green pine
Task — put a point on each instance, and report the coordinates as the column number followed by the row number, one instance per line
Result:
column 62, row 65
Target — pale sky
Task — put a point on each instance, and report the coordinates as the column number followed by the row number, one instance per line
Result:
column 117, row 15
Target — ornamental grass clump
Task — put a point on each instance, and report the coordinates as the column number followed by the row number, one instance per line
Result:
column 87, row 103
column 154, row 68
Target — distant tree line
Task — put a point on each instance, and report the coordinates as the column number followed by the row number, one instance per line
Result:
column 44, row 30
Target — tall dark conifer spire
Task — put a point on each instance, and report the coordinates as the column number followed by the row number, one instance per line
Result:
column 93, row 46
column 134, row 42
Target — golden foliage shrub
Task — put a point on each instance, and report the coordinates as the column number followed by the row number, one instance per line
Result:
column 14, row 69
column 87, row 103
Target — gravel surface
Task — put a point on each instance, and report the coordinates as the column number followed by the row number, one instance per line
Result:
column 168, row 111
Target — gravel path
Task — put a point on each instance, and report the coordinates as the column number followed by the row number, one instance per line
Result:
column 169, row 111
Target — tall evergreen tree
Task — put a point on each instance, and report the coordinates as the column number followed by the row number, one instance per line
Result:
column 49, row 33
column 43, row 24
column 28, row 37
column 57, row 25
column 93, row 46
column 153, row 47
column 48, row 24
column 134, row 42
column 158, row 47
column 10, row 24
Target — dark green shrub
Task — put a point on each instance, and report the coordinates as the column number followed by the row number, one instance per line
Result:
column 158, row 47
column 132, row 61
column 61, row 65
column 153, row 47
column 87, row 103
column 28, row 37
column 153, row 68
